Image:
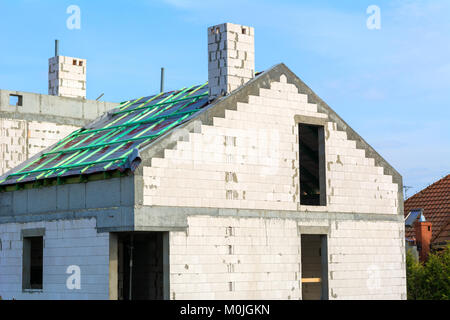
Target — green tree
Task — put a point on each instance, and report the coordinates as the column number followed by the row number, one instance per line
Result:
column 431, row 280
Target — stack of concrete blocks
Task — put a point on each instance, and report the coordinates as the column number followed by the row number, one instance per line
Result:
column 67, row 77
column 231, row 57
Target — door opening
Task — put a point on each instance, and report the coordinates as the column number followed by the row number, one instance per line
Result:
column 314, row 280
column 142, row 265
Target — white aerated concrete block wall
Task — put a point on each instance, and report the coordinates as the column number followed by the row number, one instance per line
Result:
column 13, row 147
column 44, row 134
column 67, row 77
column 230, row 258
column 367, row 260
column 249, row 160
column 231, row 57
column 66, row 243
column 260, row 258
column 21, row 139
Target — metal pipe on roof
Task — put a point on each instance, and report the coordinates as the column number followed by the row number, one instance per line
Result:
column 162, row 80
column 56, row 47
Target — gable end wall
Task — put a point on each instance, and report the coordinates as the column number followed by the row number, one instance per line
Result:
column 248, row 159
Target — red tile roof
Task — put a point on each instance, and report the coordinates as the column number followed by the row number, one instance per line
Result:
column 444, row 235
column 435, row 202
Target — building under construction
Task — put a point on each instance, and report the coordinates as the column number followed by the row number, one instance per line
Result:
column 248, row 186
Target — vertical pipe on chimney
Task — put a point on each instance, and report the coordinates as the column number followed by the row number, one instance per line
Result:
column 56, row 47
column 162, row 80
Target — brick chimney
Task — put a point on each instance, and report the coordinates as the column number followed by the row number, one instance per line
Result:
column 66, row 76
column 423, row 230
column 231, row 57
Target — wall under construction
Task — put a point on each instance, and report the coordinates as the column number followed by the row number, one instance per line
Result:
column 237, row 182
column 37, row 121
column 66, row 243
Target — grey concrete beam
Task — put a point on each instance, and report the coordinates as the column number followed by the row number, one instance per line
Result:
column 55, row 109
column 108, row 219
column 110, row 201
column 165, row 217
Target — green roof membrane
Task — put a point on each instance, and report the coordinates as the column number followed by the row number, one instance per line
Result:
column 112, row 141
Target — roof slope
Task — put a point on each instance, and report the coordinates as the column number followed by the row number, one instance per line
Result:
column 112, row 141
column 435, row 202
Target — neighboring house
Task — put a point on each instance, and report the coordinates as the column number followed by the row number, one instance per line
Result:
column 247, row 187
column 429, row 209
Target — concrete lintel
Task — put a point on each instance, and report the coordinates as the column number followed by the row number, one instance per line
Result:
column 159, row 229
column 35, row 232
column 150, row 218
column 313, row 229
column 310, row 120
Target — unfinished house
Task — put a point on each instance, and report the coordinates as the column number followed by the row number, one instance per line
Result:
column 246, row 187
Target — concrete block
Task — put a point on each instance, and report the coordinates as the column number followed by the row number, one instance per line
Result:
column 6, row 203
column 42, row 200
column 103, row 193
column 20, row 202
column 77, row 196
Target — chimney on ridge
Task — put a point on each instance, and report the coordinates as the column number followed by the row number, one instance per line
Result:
column 66, row 76
column 231, row 57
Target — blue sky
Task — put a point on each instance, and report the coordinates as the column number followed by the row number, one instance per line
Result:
column 391, row 85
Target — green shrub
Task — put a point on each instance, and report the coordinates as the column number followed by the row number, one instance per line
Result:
column 431, row 280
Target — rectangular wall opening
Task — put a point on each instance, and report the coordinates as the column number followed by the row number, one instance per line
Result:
column 15, row 100
column 312, row 165
column 32, row 263
column 142, row 269
column 314, row 267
